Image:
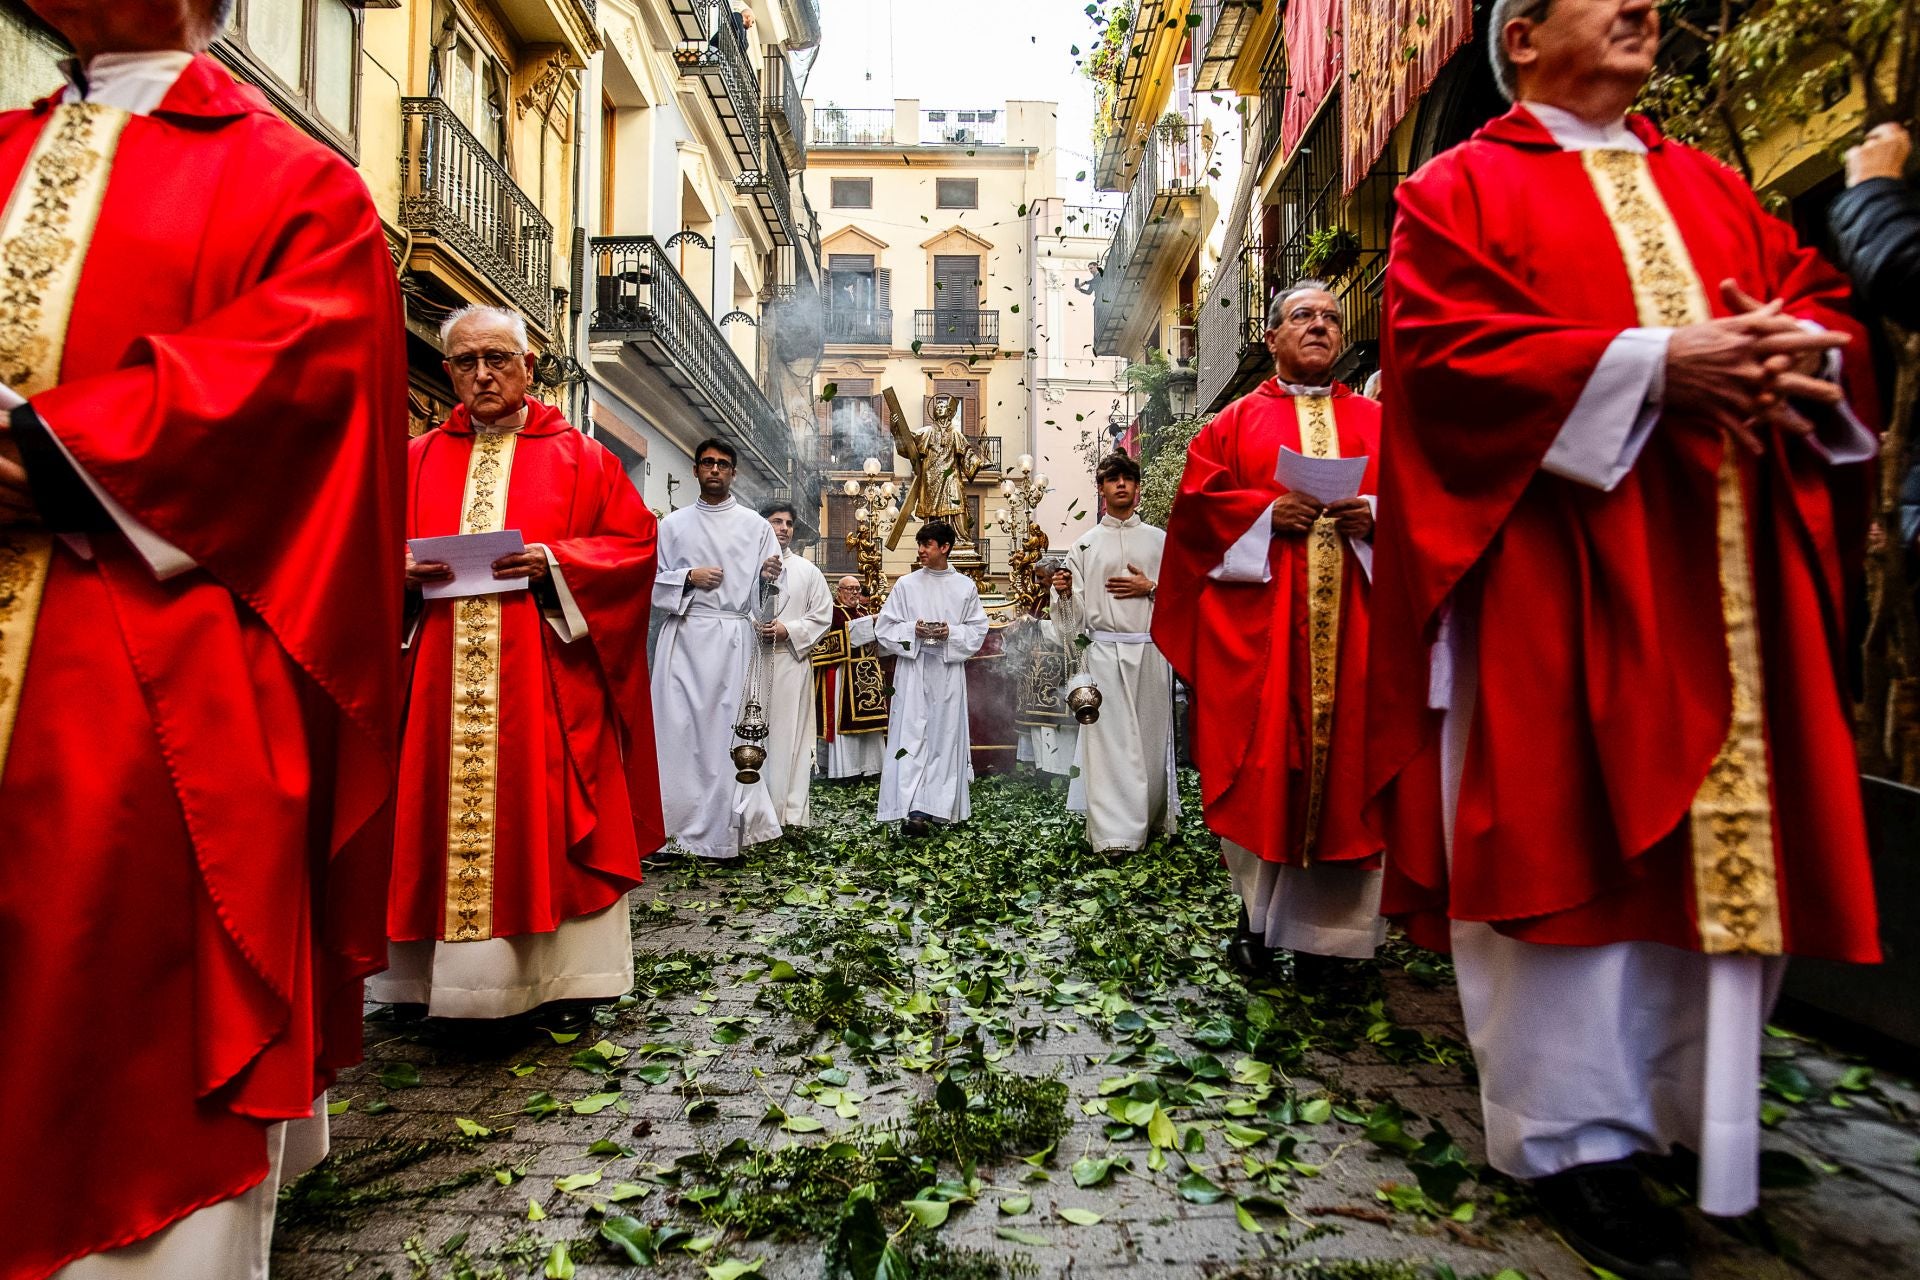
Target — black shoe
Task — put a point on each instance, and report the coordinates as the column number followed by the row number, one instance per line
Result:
column 407, row 1012
column 1248, row 951
column 566, row 1017
column 1605, row 1213
column 916, row 827
column 1336, row 976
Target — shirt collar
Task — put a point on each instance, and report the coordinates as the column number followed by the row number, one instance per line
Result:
column 1574, row 134
column 134, row 82
column 1302, row 389
column 727, row 505
column 502, row 426
column 1132, row 521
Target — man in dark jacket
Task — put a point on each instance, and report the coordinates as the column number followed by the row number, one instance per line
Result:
column 1876, row 226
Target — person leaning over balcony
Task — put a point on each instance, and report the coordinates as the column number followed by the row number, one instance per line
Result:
column 1613, row 758
column 528, row 793
column 203, row 377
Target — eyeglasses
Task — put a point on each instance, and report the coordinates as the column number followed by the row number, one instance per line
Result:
column 468, row 361
column 1301, row 317
column 713, row 464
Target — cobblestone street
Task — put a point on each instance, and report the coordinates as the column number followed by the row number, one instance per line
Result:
column 845, row 1052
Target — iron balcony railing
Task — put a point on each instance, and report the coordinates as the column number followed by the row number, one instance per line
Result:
column 1231, row 323
column 1274, row 82
column 1218, row 38
column 1171, row 163
column 970, row 128
column 786, row 112
column 640, row 298
column 989, row 449
column 711, row 48
column 1088, row 220
column 957, row 328
column 772, row 188
column 860, row 328
column 852, row 126
column 452, row 190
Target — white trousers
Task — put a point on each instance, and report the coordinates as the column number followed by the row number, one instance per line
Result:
column 856, row 755
column 1326, row 909
column 1588, row 1054
column 231, row 1240
column 589, row 958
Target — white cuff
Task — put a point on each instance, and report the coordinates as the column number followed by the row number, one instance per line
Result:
column 1610, row 422
column 165, row 559
column 1246, row 559
column 567, row 621
column 671, row 591
column 1361, row 548
column 1839, row 437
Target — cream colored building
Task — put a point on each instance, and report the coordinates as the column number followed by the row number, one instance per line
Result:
column 926, row 239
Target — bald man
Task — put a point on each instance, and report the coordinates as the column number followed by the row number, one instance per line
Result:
column 851, row 685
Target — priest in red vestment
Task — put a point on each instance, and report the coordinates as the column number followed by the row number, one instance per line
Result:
column 1262, row 610
column 528, row 788
column 1606, row 726
column 200, row 490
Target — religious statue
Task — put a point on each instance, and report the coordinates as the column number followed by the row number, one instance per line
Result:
column 944, row 461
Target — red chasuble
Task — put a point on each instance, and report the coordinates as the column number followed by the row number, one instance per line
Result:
column 1277, row 701
column 1607, row 657
column 551, row 792
column 195, row 835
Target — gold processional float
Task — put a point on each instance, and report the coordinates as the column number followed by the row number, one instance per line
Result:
column 944, row 460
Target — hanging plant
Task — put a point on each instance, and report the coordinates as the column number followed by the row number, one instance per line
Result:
column 1331, row 253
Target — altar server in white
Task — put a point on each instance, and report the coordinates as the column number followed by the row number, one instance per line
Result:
column 802, row 612
column 931, row 624
column 1105, row 593
column 714, row 557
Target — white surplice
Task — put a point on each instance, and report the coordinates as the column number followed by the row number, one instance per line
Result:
column 700, row 665
column 1588, row 1054
column 929, row 757
column 1125, row 782
column 805, row 606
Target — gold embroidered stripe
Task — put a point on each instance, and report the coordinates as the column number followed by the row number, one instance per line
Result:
column 473, row 783
column 44, row 236
column 1730, row 823
column 1320, row 439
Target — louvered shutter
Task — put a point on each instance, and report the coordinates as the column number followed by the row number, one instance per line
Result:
column 956, row 280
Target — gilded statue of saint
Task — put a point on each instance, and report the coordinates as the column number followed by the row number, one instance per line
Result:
column 943, row 462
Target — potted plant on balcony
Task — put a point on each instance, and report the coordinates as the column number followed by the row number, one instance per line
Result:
column 1331, row 253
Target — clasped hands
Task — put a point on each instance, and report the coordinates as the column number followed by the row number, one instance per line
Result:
column 1744, row 372
column 1295, row 513
column 530, row 564
column 930, row 630
column 708, row 577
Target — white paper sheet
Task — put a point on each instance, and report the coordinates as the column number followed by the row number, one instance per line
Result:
column 1325, row 480
column 471, row 556
column 860, row 630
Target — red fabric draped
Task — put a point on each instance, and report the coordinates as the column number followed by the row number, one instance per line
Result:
column 579, row 791
column 195, row 807
column 1602, row 660
column 1252, row 703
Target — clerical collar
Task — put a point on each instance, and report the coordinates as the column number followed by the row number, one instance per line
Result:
column 1574, row 134
column 938, row 573
column 1302, row 389
column 503, row 426
column 1133, row 518
column 135, row 82
column 727, row 503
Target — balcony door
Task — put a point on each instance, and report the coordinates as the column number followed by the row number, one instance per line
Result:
column 859, row 300
column 956, row 297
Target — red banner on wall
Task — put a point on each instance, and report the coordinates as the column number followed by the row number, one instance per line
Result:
column 1311, row 32
column 1393, row 50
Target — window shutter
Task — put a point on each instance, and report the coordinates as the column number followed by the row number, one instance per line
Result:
column 956, row 281
column 882, row 289
column 850, row 262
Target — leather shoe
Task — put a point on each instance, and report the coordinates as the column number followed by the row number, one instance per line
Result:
column 1248, row 951
column 1605, row 1213
column 1317, row 975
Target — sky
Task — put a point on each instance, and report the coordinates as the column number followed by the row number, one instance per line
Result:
column 976, row 54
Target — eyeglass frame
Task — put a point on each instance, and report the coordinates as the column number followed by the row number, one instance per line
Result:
column 468, row 363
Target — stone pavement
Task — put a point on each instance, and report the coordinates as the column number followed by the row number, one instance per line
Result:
column 849, row 1011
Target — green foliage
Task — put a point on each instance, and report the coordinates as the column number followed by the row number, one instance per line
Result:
column 1104, row 66
column 1163, row 459
column 1004, row 1115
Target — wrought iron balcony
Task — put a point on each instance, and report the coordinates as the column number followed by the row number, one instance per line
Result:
column 786, row 113
column 1232, row 325
column 986, row 127
column 772, row 189
column 455, row 196
column 1219, row 38
column 860, row 328
column 853, row 126
column 640, row 299
column 989, row 449
column 711, row 48
column 1160, row 218
column 941, row 328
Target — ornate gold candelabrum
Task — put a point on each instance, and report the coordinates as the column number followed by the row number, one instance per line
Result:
column 878, row 496
column 1023, row 488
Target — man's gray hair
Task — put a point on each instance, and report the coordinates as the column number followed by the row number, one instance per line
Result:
column 1505, row 11
column 502, row 315
column 1277, row 308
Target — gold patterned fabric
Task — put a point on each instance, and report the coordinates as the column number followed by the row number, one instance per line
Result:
column 1319, row 438
column 473, row 781
column 44, row 236
column 1730, row 823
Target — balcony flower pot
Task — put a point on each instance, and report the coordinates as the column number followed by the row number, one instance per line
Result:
column 1331, row 253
